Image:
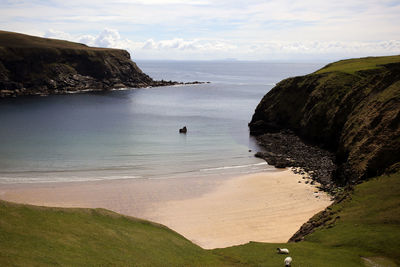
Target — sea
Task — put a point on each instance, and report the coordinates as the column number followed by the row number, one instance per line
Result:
column 133, row 133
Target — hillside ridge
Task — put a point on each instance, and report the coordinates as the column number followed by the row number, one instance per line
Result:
column 32, row 65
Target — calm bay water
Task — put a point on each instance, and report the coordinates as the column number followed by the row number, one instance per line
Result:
column 134, row 133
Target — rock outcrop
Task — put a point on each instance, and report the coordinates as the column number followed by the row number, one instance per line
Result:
column 351, row 108
column 285, row 149
column 39, row 66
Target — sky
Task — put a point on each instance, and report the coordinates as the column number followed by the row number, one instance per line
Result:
column 270, row 30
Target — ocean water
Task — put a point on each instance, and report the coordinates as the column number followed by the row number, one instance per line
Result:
column 133, row 133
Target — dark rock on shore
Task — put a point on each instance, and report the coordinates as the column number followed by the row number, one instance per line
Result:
column 38, row 66
column 285, row 149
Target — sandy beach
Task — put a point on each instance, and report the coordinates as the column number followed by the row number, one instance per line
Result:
column 210, row 211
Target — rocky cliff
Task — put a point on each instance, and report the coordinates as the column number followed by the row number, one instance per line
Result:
column 351, row 108
column 32, row 65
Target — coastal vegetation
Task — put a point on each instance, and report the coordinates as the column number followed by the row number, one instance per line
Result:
column 355, row 65
column 364, row 228
column 39, row 236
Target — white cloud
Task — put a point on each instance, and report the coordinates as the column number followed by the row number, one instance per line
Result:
column 163, row 2
column 51, row 33
column 180, row 44
column 108, row 38
column 362, row 20
column 326, row 48
column 189, row 29
column 179, row 48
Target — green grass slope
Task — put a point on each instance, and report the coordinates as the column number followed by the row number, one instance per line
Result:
column 352, row 66
column 38, row 236
column 365, row 229
column 369, row 223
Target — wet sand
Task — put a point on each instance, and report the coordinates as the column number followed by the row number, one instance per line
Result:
column 210, row 211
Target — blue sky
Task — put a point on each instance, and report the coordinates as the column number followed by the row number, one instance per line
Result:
column 206, row 29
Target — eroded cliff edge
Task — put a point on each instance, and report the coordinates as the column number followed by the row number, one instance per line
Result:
column 39, row 66
column 350, row 108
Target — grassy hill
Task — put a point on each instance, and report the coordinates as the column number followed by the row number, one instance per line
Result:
column 38, row 236
column 352, row 66
column 364, row 228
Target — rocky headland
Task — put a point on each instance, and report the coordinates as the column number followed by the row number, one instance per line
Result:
column 348, row 111
column 40, row 66
column 340, row 125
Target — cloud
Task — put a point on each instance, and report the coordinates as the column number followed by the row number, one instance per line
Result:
column 333, row 47
column 205, row 29
column 181, row 44
column 108, row 38
column 51, row 33
column 286, row 20
column 111, row 38
column 179, row 48
column 163, row 2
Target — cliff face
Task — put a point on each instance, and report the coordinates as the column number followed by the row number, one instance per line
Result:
column 351, row 108
column 32, row 65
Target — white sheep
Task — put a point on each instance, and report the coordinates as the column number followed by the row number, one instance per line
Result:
column 288, row 261
column 282, row 251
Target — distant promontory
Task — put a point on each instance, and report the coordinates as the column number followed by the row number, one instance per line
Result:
column 40, row 66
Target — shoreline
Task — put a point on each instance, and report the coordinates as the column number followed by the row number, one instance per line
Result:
column 23, row 92
column 285, row 149
column 212, row 212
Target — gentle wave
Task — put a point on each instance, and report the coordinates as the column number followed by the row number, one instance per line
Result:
column 235, row 167
column 103, row 174
column 27, row 180
column 111, row 168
